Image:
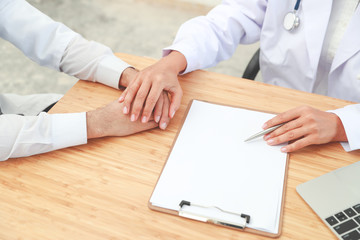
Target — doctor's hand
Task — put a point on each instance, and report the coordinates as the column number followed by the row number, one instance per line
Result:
column 147, row 88
column 110, row 121
column 161, row 111
column 305, row 126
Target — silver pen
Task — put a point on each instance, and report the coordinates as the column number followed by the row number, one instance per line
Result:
column 262, row 133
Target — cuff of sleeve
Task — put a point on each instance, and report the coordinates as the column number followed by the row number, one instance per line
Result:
column 350, row 116
column 187, row 52
column 110, row 70
column 69, row 129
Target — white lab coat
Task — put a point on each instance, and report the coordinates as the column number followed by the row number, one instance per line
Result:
column 54, row 45
column 288, row 59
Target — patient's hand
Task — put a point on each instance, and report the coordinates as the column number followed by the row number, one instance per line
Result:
column 110, row 121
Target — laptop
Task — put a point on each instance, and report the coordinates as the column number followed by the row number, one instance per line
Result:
column 335, row 198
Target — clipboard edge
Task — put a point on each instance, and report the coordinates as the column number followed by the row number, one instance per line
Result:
column 247, row 229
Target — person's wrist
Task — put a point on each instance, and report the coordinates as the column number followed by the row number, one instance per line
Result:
column 340, row 130
column 175, row 62
column 93, row 127
column 127, row 75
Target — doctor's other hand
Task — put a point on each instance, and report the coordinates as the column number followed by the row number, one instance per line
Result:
column 110, row 121
column 147, row 87
column 305, row 126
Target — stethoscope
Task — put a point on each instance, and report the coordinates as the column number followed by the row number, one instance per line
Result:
column 291, row 19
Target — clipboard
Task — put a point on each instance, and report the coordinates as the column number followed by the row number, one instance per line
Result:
column 212, row 175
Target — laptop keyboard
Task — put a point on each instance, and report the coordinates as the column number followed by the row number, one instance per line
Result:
column 347, row 223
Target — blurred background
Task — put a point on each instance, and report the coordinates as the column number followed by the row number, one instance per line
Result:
column 138, row 27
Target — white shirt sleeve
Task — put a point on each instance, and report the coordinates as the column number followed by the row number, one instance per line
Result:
column 35, row 34
column 92, row 61
column 22, row 136
column 53, row 45
column 207, row 40
column 350, row 118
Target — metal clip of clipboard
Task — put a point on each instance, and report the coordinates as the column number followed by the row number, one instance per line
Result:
column 245, row 219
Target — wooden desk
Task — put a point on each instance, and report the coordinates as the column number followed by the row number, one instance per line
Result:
column 101, row 190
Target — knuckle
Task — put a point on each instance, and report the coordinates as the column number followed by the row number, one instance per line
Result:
column 296, row 124
column 309, row 118
column 291, row 135
column 158, row 78
column 316, row 130
column 314, row 139
column 313, row 129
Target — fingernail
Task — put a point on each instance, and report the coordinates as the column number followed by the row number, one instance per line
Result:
column 270, row 141
column 163, row 126
column 266, row 137
column 132, row 118
column 173, row 113
column 125, row 110
column 143, row 120
column 121, row 98
column 157, row 119
column 283, row 149
column 264, row 126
